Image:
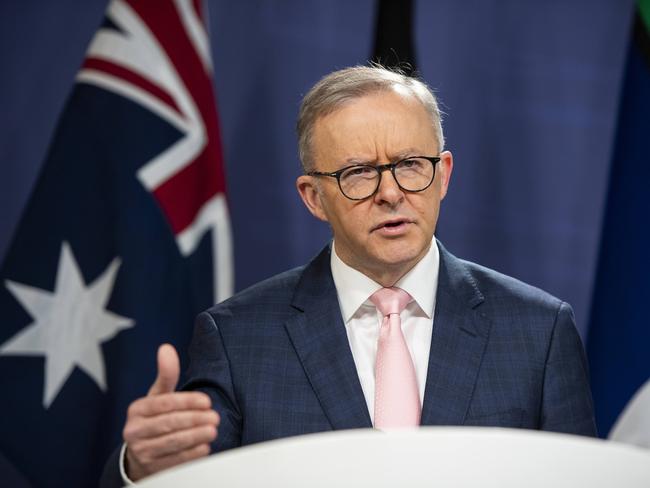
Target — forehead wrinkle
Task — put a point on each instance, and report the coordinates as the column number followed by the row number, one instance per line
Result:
column 366, row 139
column 374, row 143
column 396, row 145
column 392, row 138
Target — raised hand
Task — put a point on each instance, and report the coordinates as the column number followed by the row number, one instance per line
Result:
column 166, row 427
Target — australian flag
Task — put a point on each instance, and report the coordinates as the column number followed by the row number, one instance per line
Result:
column 125, row 238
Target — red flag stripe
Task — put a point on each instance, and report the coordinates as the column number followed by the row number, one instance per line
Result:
column 198, row 8
column 183, row 195
column 133, row 78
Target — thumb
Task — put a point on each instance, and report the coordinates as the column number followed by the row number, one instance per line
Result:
column 168, row 371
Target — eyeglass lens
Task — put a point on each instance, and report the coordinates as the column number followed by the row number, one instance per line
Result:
column 413, row 174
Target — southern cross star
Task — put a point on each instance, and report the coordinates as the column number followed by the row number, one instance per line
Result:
column 69, row 325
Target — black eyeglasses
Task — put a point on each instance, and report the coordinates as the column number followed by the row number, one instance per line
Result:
column 361, row 181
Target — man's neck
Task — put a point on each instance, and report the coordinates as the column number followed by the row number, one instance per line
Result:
column 386, row 275
column 353, row 287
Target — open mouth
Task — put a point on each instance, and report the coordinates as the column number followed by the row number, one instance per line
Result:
column 392, row 226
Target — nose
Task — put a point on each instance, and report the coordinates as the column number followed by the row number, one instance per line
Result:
column 389, row 191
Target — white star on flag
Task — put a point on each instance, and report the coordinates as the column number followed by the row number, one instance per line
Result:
column 69, row 325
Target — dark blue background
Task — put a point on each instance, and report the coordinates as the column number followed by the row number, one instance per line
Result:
column 531, row 92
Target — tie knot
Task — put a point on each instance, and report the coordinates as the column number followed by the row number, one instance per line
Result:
column 390, row 300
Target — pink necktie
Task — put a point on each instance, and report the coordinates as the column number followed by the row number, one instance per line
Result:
column 397, row 398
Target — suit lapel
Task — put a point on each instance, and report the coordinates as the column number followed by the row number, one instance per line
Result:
column 458, row 341
column 320, row 340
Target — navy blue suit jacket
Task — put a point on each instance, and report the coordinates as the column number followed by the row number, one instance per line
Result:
column 276, row 361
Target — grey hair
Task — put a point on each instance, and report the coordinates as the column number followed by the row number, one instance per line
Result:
column 340, row 87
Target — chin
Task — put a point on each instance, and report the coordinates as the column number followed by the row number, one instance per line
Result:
column 400, row 257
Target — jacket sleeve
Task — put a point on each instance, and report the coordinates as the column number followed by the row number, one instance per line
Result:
column 112, row 476
column 567, row 405
column 209, row 371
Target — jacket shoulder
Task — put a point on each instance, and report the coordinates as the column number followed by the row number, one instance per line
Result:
column 273, row 291
column 496, row 286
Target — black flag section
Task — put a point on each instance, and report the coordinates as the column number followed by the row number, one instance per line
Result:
column 394, row 46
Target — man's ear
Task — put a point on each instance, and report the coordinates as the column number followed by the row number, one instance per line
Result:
column 311, row 196
column 445, row 167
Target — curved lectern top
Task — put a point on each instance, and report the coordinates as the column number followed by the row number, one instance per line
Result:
column 429, row 456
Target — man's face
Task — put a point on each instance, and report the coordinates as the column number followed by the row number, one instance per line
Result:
column 386, row 234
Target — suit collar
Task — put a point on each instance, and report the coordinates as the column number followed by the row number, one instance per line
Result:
column 354, row 288
column 319, row 338
column 460, row 333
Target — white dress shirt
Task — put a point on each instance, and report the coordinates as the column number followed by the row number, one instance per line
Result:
column 362, row 319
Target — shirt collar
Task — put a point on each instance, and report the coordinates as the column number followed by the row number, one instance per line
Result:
column 354, row 288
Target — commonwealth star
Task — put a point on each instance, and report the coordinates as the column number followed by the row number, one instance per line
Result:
column 69, row 325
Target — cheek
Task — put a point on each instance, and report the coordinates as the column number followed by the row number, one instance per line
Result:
column 339, row 217
column 352, row 224
column 353, row 221
column 428, row 212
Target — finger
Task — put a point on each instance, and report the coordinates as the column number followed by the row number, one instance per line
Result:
column 169, row 402
column 160, row 425
column 168, row 371
column 149, row 450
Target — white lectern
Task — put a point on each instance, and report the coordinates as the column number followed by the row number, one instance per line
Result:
column 430, row 456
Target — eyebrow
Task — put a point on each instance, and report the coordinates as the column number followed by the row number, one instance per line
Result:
column 404, row 153
column 357, row 161
column 408, row 152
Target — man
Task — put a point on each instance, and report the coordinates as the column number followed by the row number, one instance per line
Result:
column 318, row 348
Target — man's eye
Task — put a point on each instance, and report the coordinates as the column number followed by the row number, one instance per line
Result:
column 358, row 171
column 410, row 163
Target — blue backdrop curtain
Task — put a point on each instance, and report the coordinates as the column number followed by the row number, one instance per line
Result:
column 531, row 92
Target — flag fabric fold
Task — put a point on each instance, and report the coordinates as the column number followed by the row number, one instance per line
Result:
column 619, row 333
column 125, row 238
